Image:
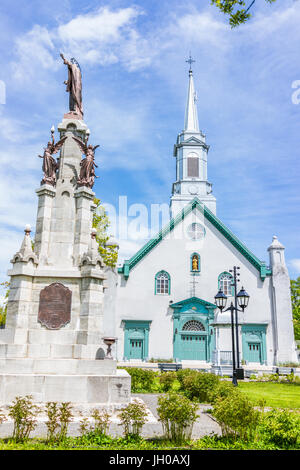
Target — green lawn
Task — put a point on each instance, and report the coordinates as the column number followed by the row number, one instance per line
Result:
column 276, row 394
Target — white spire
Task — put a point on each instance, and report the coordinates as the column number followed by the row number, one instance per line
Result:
column 191, row 115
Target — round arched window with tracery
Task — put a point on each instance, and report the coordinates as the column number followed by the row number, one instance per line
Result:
column 196, row 231
column 193, row 325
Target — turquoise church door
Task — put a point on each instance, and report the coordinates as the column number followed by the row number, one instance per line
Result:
column 254, row 352
column 136, row 349
column 193, row 347
column 136, row 339
column 193, row 332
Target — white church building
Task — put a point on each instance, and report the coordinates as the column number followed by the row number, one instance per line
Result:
column 165, row 306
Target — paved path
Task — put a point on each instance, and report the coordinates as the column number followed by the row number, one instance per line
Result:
column 204, row 425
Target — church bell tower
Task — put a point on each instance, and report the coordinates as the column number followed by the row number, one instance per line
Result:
column 191, row 152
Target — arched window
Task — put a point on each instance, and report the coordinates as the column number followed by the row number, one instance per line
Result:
column 195, row 263
column 193, row 325
column 225, row 283
column 162, row 283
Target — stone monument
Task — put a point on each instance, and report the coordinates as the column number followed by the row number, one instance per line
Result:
column 55, row 332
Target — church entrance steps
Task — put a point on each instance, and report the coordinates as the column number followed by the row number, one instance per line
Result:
column 195, row 365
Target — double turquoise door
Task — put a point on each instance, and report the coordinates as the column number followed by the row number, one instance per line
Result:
column 136, row 339
column 193, row 347
column 136, row 349
column 254, row 352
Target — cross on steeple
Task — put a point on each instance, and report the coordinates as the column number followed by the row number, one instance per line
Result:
column 190, row 61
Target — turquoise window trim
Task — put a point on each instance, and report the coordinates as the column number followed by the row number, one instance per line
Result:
column 219, row 281
column 139, row 330
column 169, row 282
column 191, row 263
column 254, row 333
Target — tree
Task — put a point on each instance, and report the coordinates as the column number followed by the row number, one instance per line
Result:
column 295, row 294
column 101, row 223
column 3, row 307
column 236, row 9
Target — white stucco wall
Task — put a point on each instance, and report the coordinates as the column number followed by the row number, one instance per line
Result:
column 136, row 299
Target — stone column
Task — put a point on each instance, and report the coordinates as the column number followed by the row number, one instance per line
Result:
column 83, row 221
column 46, row 194
column 19, row 305
column 284, row 340
column 91, row 296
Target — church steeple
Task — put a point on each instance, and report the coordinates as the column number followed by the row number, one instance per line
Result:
column 191, row 114
column 191, row 152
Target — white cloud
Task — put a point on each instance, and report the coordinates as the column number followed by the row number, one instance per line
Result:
column 10, row 243
column 34, row 47
column 268, row 24
column 104, row 26
column 202, row 28
column 295, row 263
column 102, row 37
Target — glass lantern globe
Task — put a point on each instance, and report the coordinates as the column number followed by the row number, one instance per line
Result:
column 220, row 300
column 243, row 299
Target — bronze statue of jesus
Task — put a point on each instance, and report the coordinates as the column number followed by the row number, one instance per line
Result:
column 74, row 86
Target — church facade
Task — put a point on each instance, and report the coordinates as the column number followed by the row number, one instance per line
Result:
column 164, row 306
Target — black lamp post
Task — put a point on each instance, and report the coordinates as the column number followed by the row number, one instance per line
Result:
column 242, row 299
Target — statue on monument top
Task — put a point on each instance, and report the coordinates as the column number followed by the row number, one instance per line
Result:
column 74, row 86
column 50, row 165
column 87, row 165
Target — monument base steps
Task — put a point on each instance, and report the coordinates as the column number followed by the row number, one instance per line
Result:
column 105, row 388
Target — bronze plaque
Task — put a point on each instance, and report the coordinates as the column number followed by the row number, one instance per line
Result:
column 55, row 306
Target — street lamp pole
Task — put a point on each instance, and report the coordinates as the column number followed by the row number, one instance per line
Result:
column 242, row 300
column 234, row 379
column 234, row 284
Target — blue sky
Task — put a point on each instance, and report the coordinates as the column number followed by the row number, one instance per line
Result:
column 135, row 82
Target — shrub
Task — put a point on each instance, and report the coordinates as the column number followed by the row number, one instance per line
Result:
column 199, row 385
column 281, row 427
column 84, row 426
column 236, row 416
column 177, row 414
column 100, row 424
column 2, row 417
column 290, row 378
column 133, row 417
column 222, row 390
column 24, row 413
column 59, row 418
column 101, row 421
column 182, row 373
column 65, row 417
column 53, row 420
column 166, row 380
column 142, row 380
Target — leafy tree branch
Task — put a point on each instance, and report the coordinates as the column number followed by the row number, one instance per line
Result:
column 237, row 10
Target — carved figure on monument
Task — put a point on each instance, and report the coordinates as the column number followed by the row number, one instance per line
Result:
column 74, row 86
column 50, row 165
column 87, row 165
